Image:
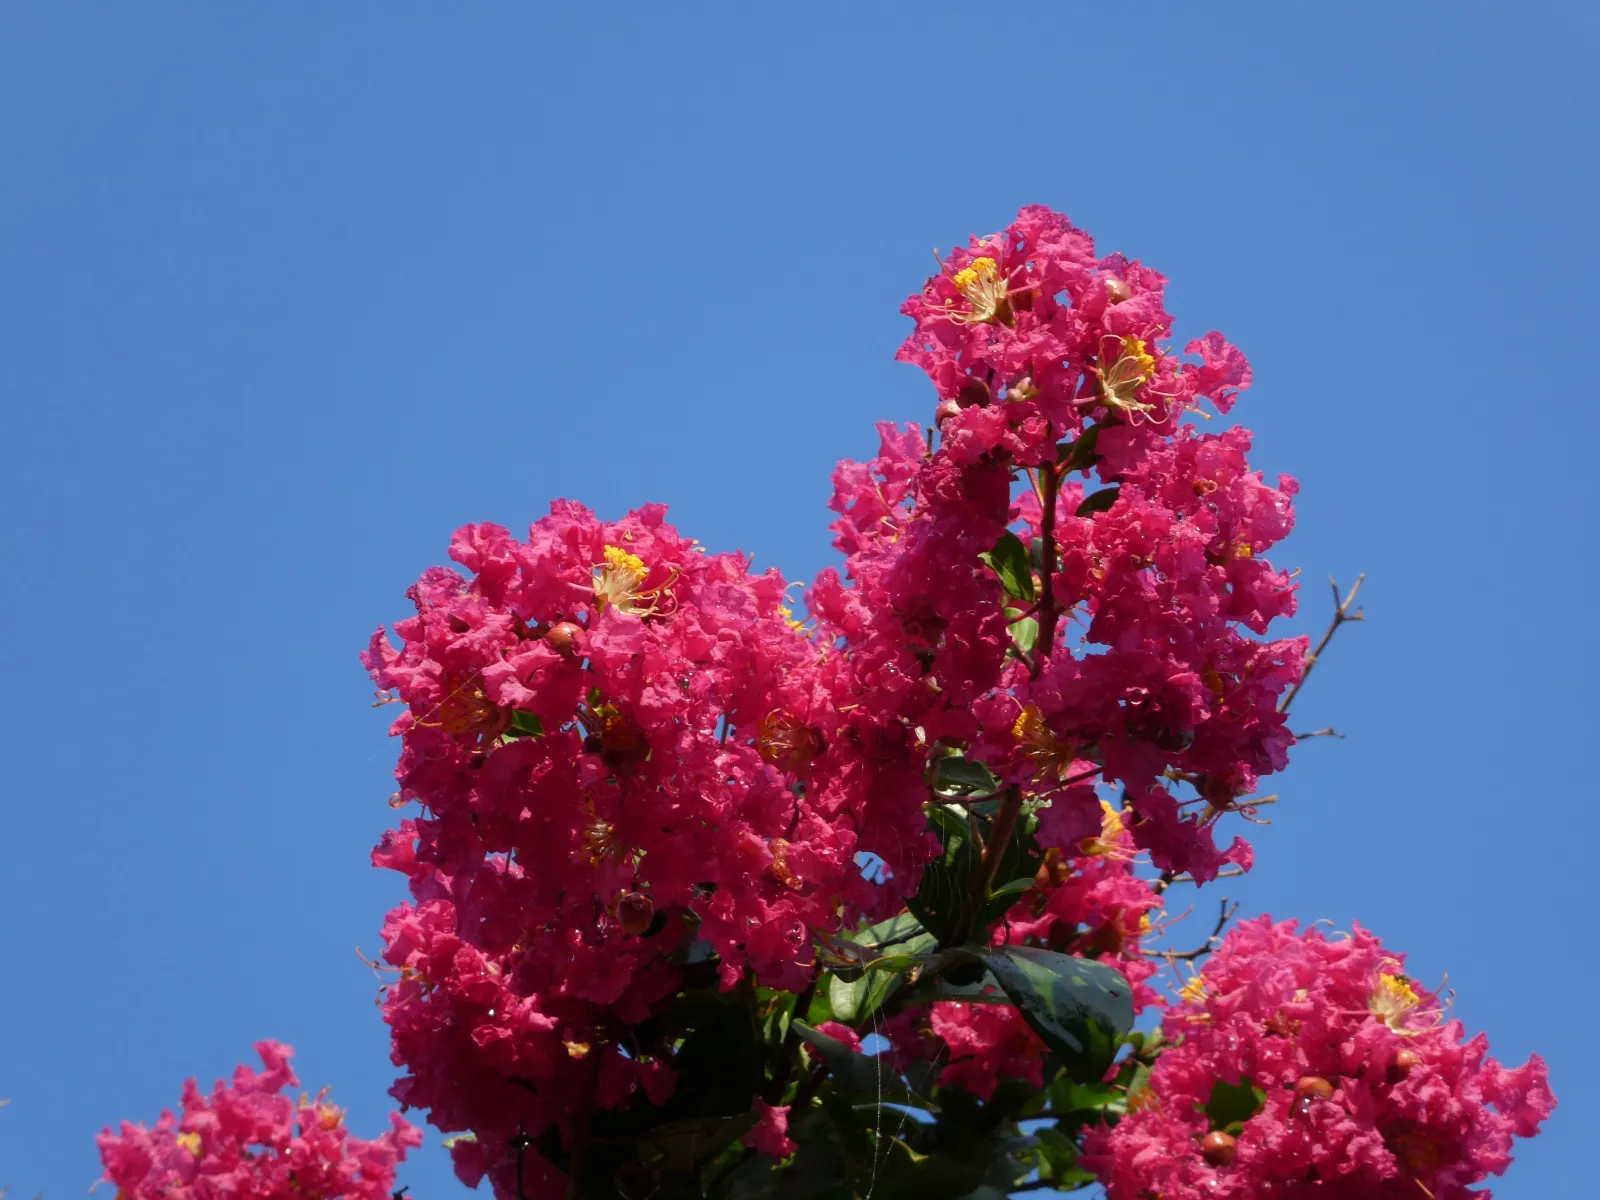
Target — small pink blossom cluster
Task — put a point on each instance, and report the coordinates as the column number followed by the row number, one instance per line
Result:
column 250, row 1141
column 1357, row 1085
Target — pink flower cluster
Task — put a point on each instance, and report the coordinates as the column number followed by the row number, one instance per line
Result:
column 1362, row 1087
column 1048, row 362
column 250, row 1142
column 627, row 751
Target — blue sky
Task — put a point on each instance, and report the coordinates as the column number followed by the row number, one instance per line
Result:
column 292, row 291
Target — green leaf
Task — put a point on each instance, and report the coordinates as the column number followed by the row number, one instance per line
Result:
column 950, row 821
column 525, row 724
column 1081, row 454
column 679, row 1147
column 961, row 776
column 1015, row 888
column 1098, row 502
column 1009, row 560
column 1024, row 631
column 1234, row 1102
column 853, row 999
column 853, row 1071
column 1081, row 1008
column 904, row 1174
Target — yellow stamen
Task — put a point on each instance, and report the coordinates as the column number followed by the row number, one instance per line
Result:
column 1040, row 743
column 1110, row 833
column 621, row 559
column 619, row 583
column 1393, row 1001
column 1194, row 991
column 984, row 288
column 190, row 1142
column 1121, row 380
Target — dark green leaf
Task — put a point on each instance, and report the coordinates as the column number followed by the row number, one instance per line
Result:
column 1234, row 1102
column 1081, row 1008
column 960, row 776
column 1081, row 454
column 1015, row 888
column 904, row 1174
column 1009, row 560
column 526, row 724
column 679, row 1147
column 1098, row 502
column 951, row 822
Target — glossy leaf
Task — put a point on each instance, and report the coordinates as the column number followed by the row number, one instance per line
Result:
column 1081, row 1008
column 1009, row 561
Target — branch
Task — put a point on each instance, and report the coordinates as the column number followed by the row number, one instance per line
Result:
column 1223, row 917
column 1330, row 731
column 1005, row 824
column 1047, row 569
column 783, row 1070
column 1341, row 614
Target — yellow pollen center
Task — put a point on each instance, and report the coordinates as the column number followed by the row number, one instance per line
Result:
column 967, row 278
column 190, row 1142
column 1194, row 991
column 1120, row 380
column 620, row 559
column 1393, row 1000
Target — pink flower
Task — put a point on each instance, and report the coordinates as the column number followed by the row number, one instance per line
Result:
column 1361, row 1087
column 771, row 1134
column 248, row 1140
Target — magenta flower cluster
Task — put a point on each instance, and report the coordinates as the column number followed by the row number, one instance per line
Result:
column 637, row 768
column 248, row 1139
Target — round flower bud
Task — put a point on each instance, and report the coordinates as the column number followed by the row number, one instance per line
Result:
column 1312, row 1087
column 635, row 911
column 1404, row 1062
column 563, row 638
column 1117, row 290
column 946, row 410
column 1217, row 1148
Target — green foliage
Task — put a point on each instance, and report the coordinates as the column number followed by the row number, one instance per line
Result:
column 1097, row 502
column 1232, row 1104
column 1009, row 561
column 859, row 1125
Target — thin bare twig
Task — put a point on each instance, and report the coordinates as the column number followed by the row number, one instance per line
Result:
column 1330, row 731
column 1341, row 614
column 1045, row 642
column 1223, row 917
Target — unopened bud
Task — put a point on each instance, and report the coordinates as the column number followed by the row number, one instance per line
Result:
column 946, row 410
column 635, row 911
column 1404, row 1062
column 1217, row 1148
column 1312, row 1087
column 1117, row 290
column 563, row 638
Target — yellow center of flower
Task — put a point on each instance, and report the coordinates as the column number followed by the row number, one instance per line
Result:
column 1393, row 1000
column 1121, row 379
column 618, row 582
column 1194, row 991
column 190, row 1142
column 1040, row 743
column 967, row 278
column 985, row 289
column 619, row 559
column 1110, row 832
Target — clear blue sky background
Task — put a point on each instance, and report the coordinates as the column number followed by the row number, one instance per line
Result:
column 291, row 291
